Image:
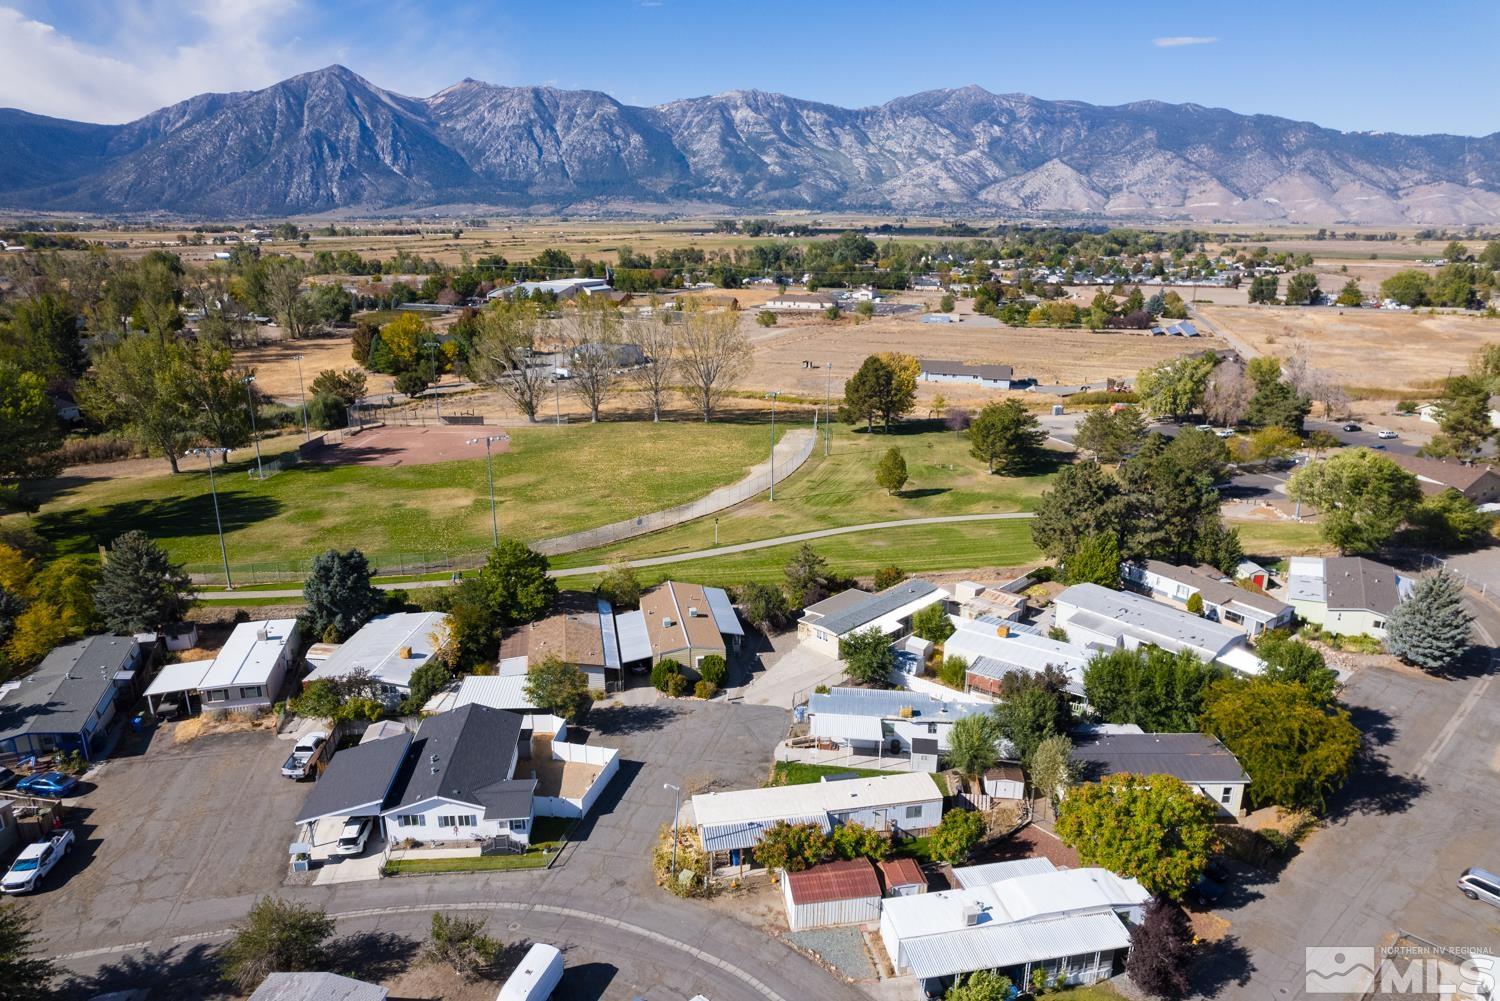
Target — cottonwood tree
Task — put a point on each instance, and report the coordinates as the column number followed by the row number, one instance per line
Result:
column 1226, row 398
column 135, row 388
column 214, row 393
column 1431, row 627
column 140, row 588
column 502, row 355
column 515, row 583
column 1175, row 388
column 281, row 279
column 31, row 432
column 1363, row 496
column 591, row 347
column 1152, row 828
column 712, row 356
column 657, row 339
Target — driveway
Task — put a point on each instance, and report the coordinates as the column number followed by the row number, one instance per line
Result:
column 791, row 671
column 1421, row 807
column 622, row 936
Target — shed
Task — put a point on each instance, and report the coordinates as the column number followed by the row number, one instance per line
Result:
column 924, row 754
column 835, row 893
column 1005, row 782
column 902, row 877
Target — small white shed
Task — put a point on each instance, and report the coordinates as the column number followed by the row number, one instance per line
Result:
column 835, row 893
column 1005, row 782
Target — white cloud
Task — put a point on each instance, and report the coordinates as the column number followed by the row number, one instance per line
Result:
column 227, row 45
column 1173, row 41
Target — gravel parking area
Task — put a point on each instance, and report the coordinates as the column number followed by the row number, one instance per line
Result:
column 841, row 948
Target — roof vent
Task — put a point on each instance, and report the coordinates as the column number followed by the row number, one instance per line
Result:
column 262, row 634
column 692, row 612
column 667, row 622
column 433, row 758
column 434, row 769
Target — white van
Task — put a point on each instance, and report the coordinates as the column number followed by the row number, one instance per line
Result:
column 536, row 978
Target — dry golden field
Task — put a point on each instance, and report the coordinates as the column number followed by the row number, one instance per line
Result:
column 1375, row 350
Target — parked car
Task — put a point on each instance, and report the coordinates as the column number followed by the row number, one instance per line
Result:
column 304, row 757
column 1480, row 884
column 1205, row 892
column 1225, row 432
column 1351, row 426
column 35, row 861
column 54, row 785
column 1387, row 435
column 354, row 835
column 1205, row 427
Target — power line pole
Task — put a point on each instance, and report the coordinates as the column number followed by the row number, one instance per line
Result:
column 302, row 395
column 260, row 473
column 772, row 397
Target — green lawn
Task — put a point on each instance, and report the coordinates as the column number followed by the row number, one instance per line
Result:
column 552, row 482
column 1280, row 538
column 475, row 863
column 944, row 479
column 798, row 773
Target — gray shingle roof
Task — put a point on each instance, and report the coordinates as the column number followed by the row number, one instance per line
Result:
column 464, row 755
column 357, row 780
column 875, row 606
column 1192, row 757
column 61, row 694
column 1354, row 582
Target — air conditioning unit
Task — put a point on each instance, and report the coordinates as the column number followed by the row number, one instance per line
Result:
column 668, row 623
column 692, row 613
column 262, row 635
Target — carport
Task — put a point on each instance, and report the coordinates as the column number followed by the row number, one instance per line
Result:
column 183, row 679
column 355, row 784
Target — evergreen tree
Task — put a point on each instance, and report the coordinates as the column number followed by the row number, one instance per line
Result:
column 25, row 972
column 1083, row 502
column 140, row 588
column 1006, row 436
column 516, row 585
column 890, row 474
column 1095, row 561
column 1111, row 436
column 1161, row 949
column 1430, row 628
column 339, row 595
column 1464, row 419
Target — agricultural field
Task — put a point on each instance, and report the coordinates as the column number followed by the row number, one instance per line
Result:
column 551, row 481
column 1374, row 352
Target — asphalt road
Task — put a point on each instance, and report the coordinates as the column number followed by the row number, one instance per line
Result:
column 186, row 839
column 1420, row 808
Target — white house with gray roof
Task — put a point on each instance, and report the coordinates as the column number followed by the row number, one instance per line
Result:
column 995, row 649
column 1200, row 760
column 986, row 376
column 1346, row 595
column 1224, row 601
column 875, row 721
column 824, row 625
column 1103, row 619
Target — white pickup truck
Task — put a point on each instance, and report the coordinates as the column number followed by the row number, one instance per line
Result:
column 305, row 755
column 35, row 861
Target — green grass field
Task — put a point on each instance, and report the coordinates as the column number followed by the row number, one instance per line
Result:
column 552, row 482
column 1280, row 538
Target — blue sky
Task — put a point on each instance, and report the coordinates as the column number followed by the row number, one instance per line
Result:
column 1376, row 65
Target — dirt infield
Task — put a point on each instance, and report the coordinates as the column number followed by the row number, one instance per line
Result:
column 405, row 446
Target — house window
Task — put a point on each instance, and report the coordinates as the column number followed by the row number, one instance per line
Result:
column 458, row 820
column 932, row 728
column 250, row 692
column 518, row 825
column 1227, row 795
column 913, row 813
column 218, row 695
column 1234, row 617
column 1379, row 623
column 411, row 820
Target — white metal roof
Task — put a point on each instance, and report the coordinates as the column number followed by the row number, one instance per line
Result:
column 635, row 642
column 746, row 834
column 245, row 658
column 497, row 692
column 998, row 946
column 1018, row 651
column 184, row 677
column 778, row 802
column 723, row 612
column 1115, row 612
column 1067, row 891
column 377, row 645
column 838, row 726
column 970, row 876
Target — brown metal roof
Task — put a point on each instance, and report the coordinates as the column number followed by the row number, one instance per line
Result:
column 834, row 881
column 901, row 872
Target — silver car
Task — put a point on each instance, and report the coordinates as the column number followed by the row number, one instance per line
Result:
column 1480, row 884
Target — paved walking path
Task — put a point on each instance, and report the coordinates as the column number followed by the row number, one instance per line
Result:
column 656, row 561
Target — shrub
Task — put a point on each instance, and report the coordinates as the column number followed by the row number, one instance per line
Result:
column 705, row 690
column 854, row 840
column 792, row 847
column 820, row 690
column 662, row 670
column 955, row 835
column 1195, row 603
column 327, row 412
column 1406, row 407
column 953, row 672
column 766, row 318
column 1099, row 396
column 100, row 448
column 888, row 577
column 461, row 943
column 713, row 670
column 677, row 685
column 932, row 623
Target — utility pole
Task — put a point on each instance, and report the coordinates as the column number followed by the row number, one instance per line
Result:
column 675, row 812
column 828, row 413
column 557, row 398
column 772, row 397
column 302, row 395
column 214, row 490
column 260, row 472
column 489, row 464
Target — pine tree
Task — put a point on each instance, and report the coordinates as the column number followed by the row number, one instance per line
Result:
column 140, row 588
column 339, row 595
column 1161, row 950
column 1431, row 627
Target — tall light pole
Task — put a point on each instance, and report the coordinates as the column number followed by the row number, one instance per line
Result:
column 437, row 399
column 827, row 412
column 260, row 473
column 214, row 490
column 677, row 810
column 302, row 395
column 772, row 395
column 489, row 465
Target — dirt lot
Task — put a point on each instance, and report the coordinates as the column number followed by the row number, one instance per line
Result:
column 1050, row 356
column 275, row 363
column 1378, row 349
column 404, row 446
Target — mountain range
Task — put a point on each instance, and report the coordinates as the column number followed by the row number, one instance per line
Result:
column 331, row 141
